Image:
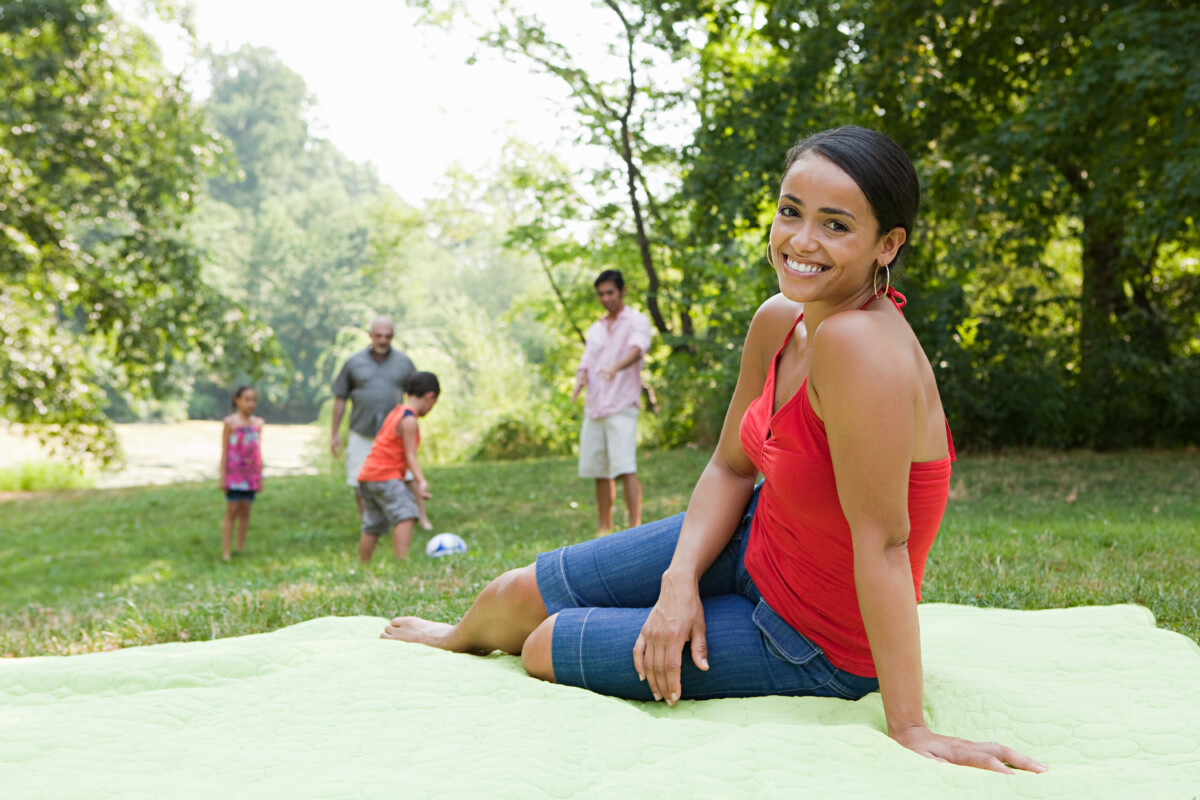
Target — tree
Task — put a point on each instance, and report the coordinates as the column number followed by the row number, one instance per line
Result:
column 101, row 157
column 311, row 241
column 635, row 219
column 617, row 114
column 1060, row 149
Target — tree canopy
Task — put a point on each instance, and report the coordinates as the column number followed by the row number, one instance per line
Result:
column 1059, row 148
column 152, row 247
column 101, row 157
column 310, row 240
column 1055, row 266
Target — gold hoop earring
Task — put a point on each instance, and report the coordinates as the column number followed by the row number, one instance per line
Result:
column 770, row 260
column 887, row 268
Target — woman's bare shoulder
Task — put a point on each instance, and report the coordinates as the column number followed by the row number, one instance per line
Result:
column 772, row 321
column 774, row 318
column 862, row 343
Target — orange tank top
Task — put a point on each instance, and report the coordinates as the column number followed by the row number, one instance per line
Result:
column 386, row 460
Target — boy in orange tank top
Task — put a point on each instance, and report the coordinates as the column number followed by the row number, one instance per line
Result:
column 388, row 503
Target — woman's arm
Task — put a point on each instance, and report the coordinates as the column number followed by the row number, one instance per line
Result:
column 870, row 399
column 713, row 513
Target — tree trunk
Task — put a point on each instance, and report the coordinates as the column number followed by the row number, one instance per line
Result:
column 1102, row 300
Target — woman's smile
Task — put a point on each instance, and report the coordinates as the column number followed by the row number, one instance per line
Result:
column 803, row 267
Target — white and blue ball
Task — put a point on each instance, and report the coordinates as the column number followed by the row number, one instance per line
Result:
column 445, row 544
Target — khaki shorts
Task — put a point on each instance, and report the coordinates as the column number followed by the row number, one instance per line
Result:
column 608, row 446
column 385, row 504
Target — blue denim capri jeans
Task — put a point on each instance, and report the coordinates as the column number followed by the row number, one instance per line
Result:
column 603, row 590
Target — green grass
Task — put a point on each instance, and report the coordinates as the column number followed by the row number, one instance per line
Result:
column 97, row 570
column 38, row 476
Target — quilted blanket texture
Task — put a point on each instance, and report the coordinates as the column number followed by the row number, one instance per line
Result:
column 324, row 709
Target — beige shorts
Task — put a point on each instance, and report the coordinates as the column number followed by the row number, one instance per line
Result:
column 357, row 448
column 608, row 446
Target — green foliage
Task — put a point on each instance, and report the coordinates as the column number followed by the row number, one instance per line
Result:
column 40, row 476
column 627, row 214
column 1032, row 530
column 101, row 157
column 1059, row 150
column 515, row 438
column 466, row 321
column 318, row 246
column 311, row 241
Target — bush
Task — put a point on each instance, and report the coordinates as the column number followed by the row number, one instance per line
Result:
column 511, row 439
column 36, row 476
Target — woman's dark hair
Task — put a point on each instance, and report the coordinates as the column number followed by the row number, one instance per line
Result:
column 422, row 383
column 238, row 392
column 612, row 276
column 882, row 170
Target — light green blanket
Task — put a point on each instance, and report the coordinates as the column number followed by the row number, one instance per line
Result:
column 326, row 710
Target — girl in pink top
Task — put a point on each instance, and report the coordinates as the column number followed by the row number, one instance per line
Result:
column 241, row 465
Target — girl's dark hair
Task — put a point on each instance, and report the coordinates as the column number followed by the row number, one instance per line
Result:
column 238, row 392
column 880, row 167
column 422, row 383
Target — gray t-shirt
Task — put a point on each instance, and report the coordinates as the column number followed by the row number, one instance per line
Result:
column 374, row 387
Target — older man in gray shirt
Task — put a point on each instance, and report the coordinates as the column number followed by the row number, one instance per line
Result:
column 373, row 381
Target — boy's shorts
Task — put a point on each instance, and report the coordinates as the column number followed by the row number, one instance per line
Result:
column 385, row 504
column 608, row 446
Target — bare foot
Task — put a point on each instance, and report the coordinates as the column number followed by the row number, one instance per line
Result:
column 427, row 632
column 425, row 523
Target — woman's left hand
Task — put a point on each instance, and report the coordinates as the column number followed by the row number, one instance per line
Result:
column 952, row 750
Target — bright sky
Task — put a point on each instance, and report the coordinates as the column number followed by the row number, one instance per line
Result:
column 394, row 93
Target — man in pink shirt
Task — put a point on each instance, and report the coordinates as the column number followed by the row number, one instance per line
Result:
column 611, row 369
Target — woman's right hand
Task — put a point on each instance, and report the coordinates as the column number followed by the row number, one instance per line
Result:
column 677, row 618
column 964, row 752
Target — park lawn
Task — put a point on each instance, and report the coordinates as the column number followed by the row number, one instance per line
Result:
column 97, row 570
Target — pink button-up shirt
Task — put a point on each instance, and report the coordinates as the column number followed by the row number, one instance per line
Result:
column 607, row 343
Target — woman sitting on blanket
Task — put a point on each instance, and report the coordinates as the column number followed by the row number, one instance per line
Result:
column 809, row 584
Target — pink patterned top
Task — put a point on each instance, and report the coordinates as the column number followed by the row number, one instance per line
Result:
column 243, row 461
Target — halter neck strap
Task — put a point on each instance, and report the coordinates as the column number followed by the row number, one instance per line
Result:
column 898, row 300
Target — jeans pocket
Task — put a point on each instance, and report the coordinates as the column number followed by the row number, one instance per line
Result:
column 850, row 686
column 784, row 641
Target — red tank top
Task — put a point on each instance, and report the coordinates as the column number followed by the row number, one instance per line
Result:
column 800, row 553
column 386, row 460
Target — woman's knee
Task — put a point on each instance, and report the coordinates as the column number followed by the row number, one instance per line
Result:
column 536, row 654
column 518, row 589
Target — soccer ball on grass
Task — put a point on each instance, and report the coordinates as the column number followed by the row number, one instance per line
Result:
column 445, row 544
